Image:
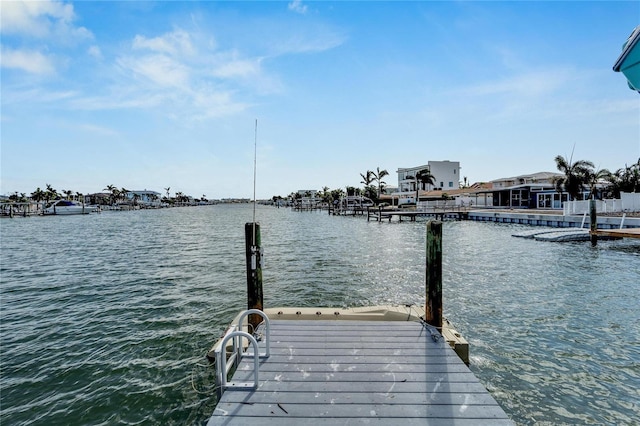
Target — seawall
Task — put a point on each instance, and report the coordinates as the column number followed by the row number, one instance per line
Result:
column 551, row 219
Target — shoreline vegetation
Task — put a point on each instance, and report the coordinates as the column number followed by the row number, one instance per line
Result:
column 579, row 179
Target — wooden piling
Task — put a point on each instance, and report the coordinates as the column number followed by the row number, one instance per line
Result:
column 433, row 275
column 254, row 271
column 593, row 217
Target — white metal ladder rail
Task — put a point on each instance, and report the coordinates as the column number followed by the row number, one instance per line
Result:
column 225, row 365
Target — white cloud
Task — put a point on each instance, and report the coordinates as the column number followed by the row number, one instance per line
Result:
column 308, row 39
column 95, row 52
column 41, row 19
column 298, row 7
column 99, row 130
column 27, row 60
column 531, row 84
column 17, row 94
column 175, row 43
column 158, row 69
column 231, row 66
column 202, row 83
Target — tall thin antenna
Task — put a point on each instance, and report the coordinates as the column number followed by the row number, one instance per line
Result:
column 255, row 156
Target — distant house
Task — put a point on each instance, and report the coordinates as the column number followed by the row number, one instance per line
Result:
column 144, row 197
column 98, row 198
column 533, row 191
column 307, row 198
column 446, row 178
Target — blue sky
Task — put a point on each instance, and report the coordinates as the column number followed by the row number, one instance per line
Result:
column 149, row 95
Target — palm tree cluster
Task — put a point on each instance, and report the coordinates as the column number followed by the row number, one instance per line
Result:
column 582, row 175
column 113, row 195
column 374, row 186
column 626, row 179
column 116, row 194
column 50, row 194
column 373, row 183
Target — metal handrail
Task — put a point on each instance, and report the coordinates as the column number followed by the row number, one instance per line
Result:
column 267, row 339
column 225, row 365
column 221, row 360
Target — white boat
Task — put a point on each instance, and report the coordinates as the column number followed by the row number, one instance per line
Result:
column 629, row 61
column 66, row 207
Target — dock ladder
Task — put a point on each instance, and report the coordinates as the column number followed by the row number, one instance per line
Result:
column 226, row 364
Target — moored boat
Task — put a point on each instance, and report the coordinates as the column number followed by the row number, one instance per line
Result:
column 628, row 62
column 66, row 207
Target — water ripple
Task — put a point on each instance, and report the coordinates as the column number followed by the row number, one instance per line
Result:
column 105, row 319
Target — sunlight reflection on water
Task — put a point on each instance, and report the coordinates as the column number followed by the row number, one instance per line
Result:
column 106, row 318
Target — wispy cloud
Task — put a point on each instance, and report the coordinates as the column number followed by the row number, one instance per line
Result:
column 182, row 73
column 298, row 7
column 530, row 84
column 232, row 65
column 175, row 43
column 95, row 52
column 40, row 26
column 99, row 130
column 174, row 72
column 159, row 70
column 31, row 61
column 40, row 19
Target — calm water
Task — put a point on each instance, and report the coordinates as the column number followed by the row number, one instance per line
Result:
column 106, row 318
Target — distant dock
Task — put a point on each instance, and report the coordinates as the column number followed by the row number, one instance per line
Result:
column 379, row 213
column 20, row 209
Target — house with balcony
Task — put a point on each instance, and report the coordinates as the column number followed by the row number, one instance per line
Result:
column 446, row 178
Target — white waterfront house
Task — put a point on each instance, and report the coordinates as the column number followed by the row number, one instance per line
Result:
column 446, row 177
column 307, row 198
column 145, row 198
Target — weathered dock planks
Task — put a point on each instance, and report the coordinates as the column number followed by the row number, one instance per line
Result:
column 619, row 233
column 379, row 214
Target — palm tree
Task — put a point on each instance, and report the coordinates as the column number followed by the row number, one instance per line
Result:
column 630, row 178
column 367, row 178
column 575, row 175
column 626, row 179
column 167, row 190
column 114, row 193
column 18, row 198
column 38, row 195
column 369, row 190
column 377, row 177
column 325, row 195
column 425, row 178
column 593, row 177
column 337, row 194
column 51, row 193
column 123, row 193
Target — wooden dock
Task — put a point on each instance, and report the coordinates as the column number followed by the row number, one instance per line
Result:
column 325, row 372
column 618, row 233
column 439, row 214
